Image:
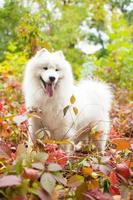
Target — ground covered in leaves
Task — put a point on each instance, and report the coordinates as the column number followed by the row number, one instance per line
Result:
column 46, row 172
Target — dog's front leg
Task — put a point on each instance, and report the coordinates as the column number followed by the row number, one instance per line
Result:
column 34, row 125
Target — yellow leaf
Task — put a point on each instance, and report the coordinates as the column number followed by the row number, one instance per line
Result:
column 87, row 170
column 2, row 166
column 93, row 184
column 72, row 99
column 75, row 110
column 94, row 174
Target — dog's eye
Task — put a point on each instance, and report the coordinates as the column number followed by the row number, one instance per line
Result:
column 56, row 70
column 45, row 68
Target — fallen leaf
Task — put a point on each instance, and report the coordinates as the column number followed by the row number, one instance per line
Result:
column 113, row 178
column 96, row 194
column 58, row 156
column 123, row 170
column 93, row 184
column 5, row 151
column 87, row 170
column 114, row 190
column 121, row 143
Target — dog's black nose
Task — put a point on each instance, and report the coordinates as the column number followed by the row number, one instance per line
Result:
column 52, row 78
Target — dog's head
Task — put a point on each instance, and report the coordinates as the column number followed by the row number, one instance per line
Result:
column 50, row 69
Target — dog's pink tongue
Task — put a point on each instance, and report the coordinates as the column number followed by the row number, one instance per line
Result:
column 49, row 89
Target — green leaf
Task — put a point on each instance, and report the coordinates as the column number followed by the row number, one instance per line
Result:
column 66, row 109
column 75, row 181
column 54, row 167
column 38, row 165
column 48, row 182
column 75, row 110
column 60, row 179
column 41, row 156
column 72, row 99
column 106, row 186
column 39, row 134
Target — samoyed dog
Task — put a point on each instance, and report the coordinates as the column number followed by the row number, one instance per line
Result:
column 48, row 86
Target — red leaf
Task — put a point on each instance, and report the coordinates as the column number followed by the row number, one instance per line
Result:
column 114, row 190
column 97, row 195
column 123, row 170
column 59, row 157
column 1, row 106
column 113, row 178
column 114, row 134
column 10, row 180
column 49, row 148
column 5, row 151
column 20, row 197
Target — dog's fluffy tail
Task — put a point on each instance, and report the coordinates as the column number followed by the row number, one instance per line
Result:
column 99, row 92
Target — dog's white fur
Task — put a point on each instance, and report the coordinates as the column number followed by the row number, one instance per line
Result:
column 93, row 98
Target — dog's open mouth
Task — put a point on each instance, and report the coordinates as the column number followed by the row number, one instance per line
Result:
column 49, row 87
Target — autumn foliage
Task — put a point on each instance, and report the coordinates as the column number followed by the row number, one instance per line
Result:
column 45, row 170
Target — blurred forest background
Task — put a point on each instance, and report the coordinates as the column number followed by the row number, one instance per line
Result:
column 95, row 36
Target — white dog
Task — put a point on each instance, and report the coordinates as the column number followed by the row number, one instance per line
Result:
column 48, row 86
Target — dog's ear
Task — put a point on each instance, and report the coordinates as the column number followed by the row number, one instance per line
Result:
column 42, row 51
column 60, row 53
